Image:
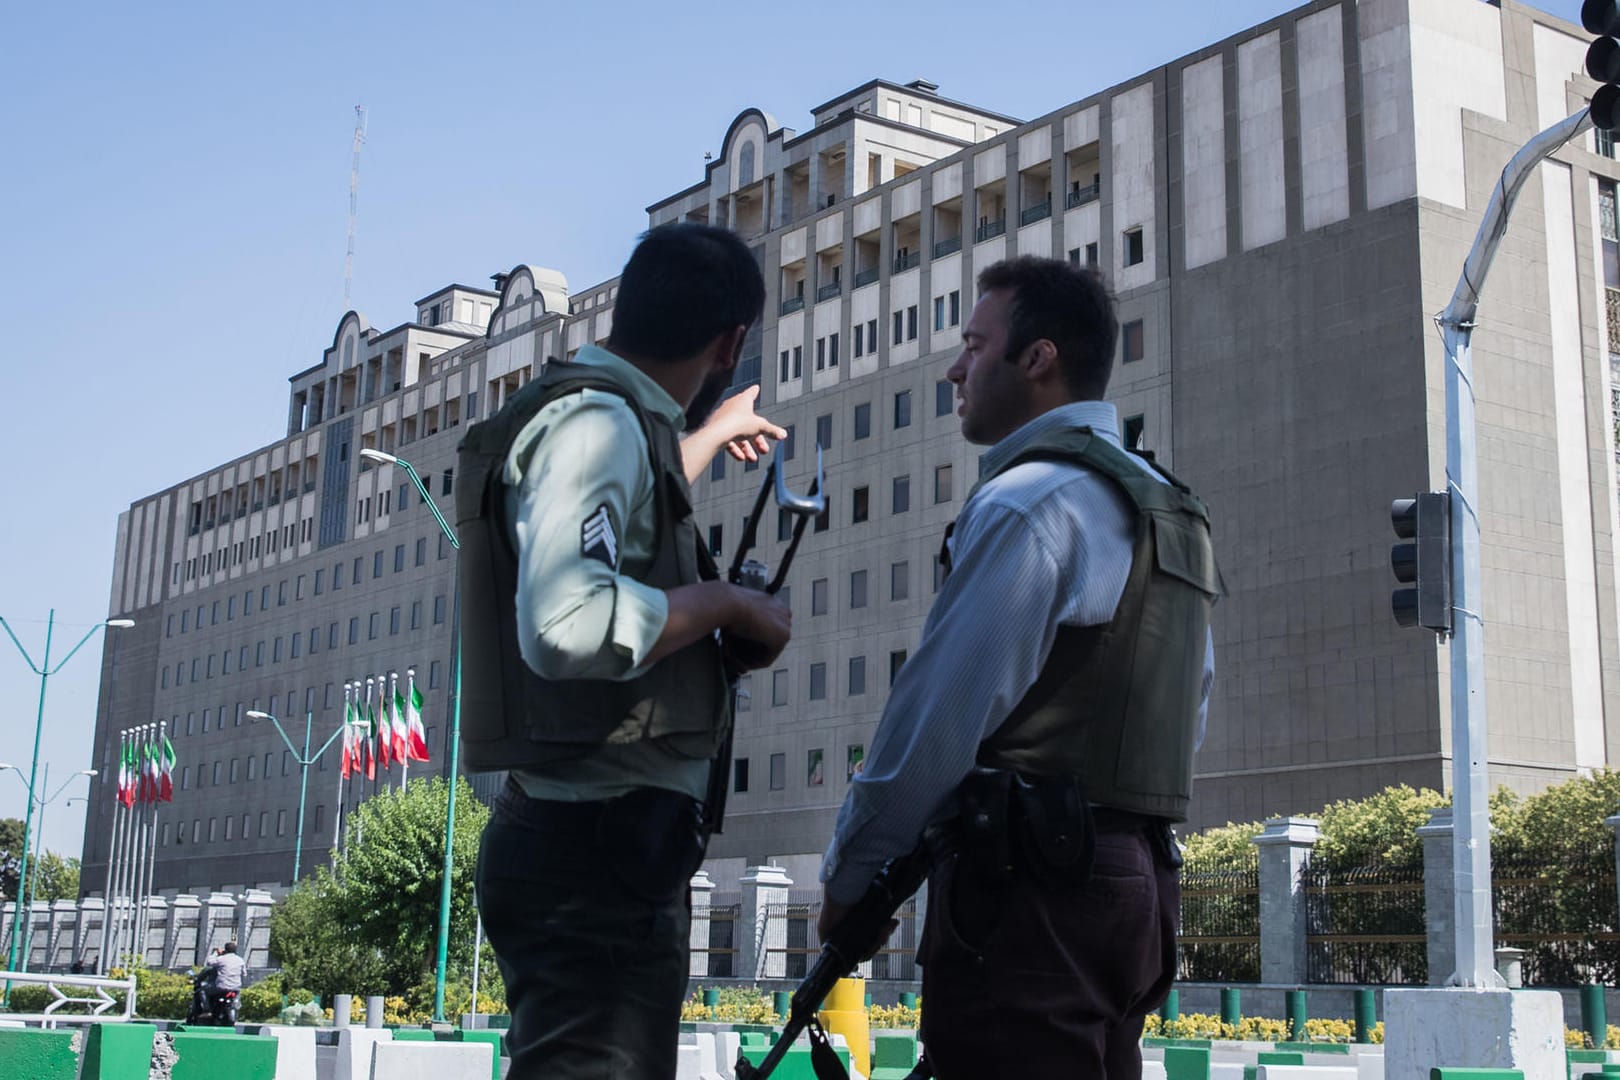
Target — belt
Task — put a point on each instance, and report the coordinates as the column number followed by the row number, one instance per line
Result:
column 573, row 815
column 1110, row 819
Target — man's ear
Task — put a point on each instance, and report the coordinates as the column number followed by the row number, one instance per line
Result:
column 728, row 347
column 1040, row 361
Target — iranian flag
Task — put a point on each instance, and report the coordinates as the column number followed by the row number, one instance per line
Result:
column 149, row 773
column 126, row 776
column 166, row 771
column 382, row 730
column 400, row 737
column 363, row 748
column 418, row 748
column 348, row 765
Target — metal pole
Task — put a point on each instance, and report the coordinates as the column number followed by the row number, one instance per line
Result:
column 151, row 852
column 127, row 863
column 44, row 670
column 112, row 863
column 303, row 791
column 450, row 809
column 32, row 886
column 1471, row 837
column 478, row 946
column 137, row 915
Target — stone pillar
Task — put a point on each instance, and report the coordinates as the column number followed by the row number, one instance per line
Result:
column 64, row 924
column 1285, row 851
column 757, row 932
column 183, row 932
column 38, row 939
column 253, row 928
column 1439, row 895
column 700, row 888
column 157, row 926
column 87, row 937
column 217, row 924
column 8, row 926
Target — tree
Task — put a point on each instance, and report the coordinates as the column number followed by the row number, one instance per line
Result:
column 11, row 850
column 55, row 878
column 371, row 924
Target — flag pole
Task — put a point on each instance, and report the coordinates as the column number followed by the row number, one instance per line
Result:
column 399, row 721
column 126, row 871
column 155, row 789
column 112, row 863
column 337, row 818
column 138, row 914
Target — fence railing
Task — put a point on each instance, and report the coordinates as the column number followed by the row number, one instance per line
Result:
column 721, row 954
column 1365, row 925
column 1220, row 926
column 1560, row 909
column 99, row 1005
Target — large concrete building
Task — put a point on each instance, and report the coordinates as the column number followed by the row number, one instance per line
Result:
column 1280, row 214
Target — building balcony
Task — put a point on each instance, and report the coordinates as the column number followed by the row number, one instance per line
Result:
column 829, row 290
column 908, row 261
column 866, row 277
column 792, row 304
column 946, row 247
column 989, row 230
column 1081, row 196
column 1035, row 213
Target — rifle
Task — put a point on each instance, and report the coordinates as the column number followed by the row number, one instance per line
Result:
column 862, row 932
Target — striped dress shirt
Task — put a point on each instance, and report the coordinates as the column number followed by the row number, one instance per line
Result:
column 1042, row 545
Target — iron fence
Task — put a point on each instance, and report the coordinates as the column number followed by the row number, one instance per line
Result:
column 721, row 954
column 1220, row 926
column 1365, row 925
column 1560, row 909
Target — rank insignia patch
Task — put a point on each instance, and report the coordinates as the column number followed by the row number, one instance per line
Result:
column 596, row 538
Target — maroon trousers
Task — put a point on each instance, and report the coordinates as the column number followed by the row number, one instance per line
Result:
column 1023, row 980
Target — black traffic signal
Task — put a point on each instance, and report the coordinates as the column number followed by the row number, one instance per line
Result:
column 1424, row 563
column 1602, row 17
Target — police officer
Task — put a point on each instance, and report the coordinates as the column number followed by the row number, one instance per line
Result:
column 594, row 670
column 1052, row 706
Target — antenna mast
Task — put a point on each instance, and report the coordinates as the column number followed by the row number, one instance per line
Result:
column 354, row 201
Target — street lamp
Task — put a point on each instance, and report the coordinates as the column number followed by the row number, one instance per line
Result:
column 304, row 762
column 44, row 670
column 455, row 730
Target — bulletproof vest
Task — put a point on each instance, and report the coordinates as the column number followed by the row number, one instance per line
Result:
column 511, row 717
column 1117, row 705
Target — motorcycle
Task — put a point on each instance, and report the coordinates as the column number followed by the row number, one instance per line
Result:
column 211, row 1007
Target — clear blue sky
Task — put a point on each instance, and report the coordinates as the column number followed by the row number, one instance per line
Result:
column 176, row 179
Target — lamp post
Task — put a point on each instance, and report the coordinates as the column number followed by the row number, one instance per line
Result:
column 304, row 762
column 44, row 670
column 455, row 731
column 28, row 890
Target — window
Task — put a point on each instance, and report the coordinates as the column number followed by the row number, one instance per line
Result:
column 393, row 620
column 297, row 639
column 1133, row 432
column 281, row 823
column 421, row 548
column 332, row 636
column 320, row 813
column 714, row 538
column 438, row 609
column 859, row 341
column 858, row 505
column 815, row 770
column 433, row 675
column 783, row 373
column 779, row 686
column 939, row 572
column 942, row 483
column 215, row 773
column 320, row 582
column 377, row 564
column 902, row 409
column 899, row 327
column 897, row 660
column 956, row 306
column 745, row 693
column 832, row 350
column 447, row 482
column 939, row 313
column 899, row 580
column 1603, row 142
column 790, row 444
column 444, row 546
column 778, row 771
column 1091, row 255
column 1130, row 337
column 818, row 596
column 1133, row 246
column 235, row 770
column 818, row 682
column 900, row 496
column 717, row 467
column 372, row 623
column 337, row 577
column 399, row 557
column 354, row 630
column 857, row 675
column 857, row 589
column 213, row 830
column 824, row 431
column 798, row 361
column 784, row 525
column 359, row 569
column 821, row 353
column 911, row 323
column 739, row 774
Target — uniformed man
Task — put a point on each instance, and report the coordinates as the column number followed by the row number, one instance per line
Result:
column 595, row 669
column 1052, row 706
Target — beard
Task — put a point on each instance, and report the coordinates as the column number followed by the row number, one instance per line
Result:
column 708, row 396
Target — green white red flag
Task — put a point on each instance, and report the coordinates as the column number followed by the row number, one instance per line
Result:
column 166, row 771
column 418, row 747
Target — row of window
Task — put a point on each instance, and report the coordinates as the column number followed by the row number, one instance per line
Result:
column 330, row 698
column 212, row 611
column 235, row 503
column 384, row 502
column 227, row 556
column 204, row 667
column 815, row 768
column 237, row 770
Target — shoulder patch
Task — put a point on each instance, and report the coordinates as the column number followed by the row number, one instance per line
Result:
column 597, row 539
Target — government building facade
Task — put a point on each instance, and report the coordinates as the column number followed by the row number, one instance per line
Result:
column 1281, row 214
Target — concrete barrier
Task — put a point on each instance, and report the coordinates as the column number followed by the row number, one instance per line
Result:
column 118, row 1052
column 209, row 1055
column 295, row 1052
column 417, row 1060
column 1305, row 1072
column 354, row 1047
column 40, row 1055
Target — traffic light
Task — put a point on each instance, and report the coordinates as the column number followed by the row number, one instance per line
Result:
column 1602, row 17
column 1424, row 563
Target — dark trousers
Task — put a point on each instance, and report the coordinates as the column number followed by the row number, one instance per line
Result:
column 587, row 908
column 1024, row 980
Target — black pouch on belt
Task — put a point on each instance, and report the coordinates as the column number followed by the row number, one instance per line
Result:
column 1053, row 830
column 982, row 810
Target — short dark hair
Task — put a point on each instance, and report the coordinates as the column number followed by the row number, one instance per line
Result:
column 230, row 946
column 684, row 285
column 1068, row 306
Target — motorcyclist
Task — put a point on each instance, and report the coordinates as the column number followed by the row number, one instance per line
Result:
column 224, row 970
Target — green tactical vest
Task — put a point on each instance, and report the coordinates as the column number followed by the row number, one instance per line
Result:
column 512, row 718
column 1117, row 704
